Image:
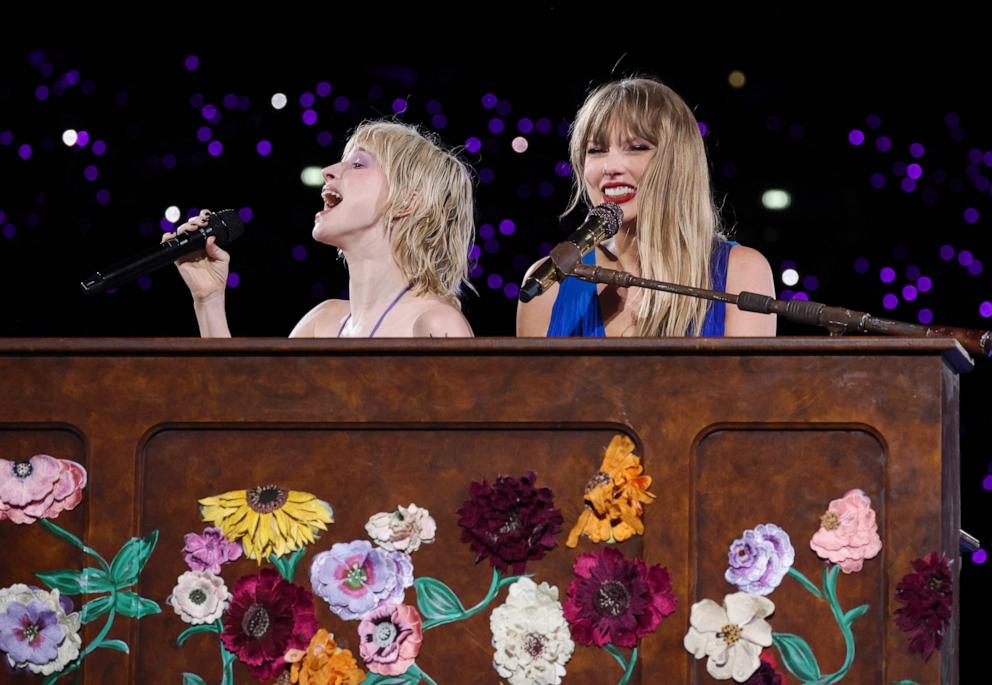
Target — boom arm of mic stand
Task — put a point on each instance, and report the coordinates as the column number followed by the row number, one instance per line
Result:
column 837, row 320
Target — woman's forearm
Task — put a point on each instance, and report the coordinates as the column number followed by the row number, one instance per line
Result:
column 211, row 317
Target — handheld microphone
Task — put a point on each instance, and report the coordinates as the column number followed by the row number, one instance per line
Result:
column 224, row 225
column 602, row 222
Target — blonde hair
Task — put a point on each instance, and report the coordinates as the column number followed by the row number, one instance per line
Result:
column 677, row 220
column 429, row 211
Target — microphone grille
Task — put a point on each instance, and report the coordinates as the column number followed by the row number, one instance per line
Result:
column 610, row 214
column 227, row 226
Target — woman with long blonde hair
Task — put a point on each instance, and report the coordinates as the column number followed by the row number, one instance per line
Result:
column 399, row 209
column 636, row 143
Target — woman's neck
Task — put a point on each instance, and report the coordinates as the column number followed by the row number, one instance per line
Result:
column 373, row 283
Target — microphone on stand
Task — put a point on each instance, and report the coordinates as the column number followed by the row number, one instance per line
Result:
column 602, row 222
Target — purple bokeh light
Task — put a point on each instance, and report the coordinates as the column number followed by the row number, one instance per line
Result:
column 856, row 137
column 890, row 301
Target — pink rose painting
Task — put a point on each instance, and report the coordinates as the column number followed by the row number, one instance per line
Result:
column 848, row 532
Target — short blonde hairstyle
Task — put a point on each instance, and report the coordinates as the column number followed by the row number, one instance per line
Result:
column 678, row 223
column 429, row 212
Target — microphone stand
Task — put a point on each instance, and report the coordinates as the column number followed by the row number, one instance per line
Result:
column 837, row 320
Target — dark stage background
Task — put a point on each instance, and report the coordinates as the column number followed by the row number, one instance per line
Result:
column 873, row 122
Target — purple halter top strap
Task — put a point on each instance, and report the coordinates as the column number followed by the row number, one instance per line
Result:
column 381, row 318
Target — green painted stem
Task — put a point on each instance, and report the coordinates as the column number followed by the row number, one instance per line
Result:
column 417, row 671
column 226, row 658
column 627, row 666
column 62, row 533
column 805, row 582
column 494, row 588
column 830, row 589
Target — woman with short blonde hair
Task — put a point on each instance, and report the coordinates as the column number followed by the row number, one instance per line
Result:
column 399, row 208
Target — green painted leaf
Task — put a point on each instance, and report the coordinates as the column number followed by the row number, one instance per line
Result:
column 95, row 608
column 131, row 559
column 119, row 645
column 436, row 600
column 797, row 656
column 407, row 678
column 193, row 630
column 131, row 604
column 904, row 682
column 855, row 613
column 193, row 679
column 73, row 582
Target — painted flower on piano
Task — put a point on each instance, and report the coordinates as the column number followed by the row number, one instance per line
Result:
column 616, row 601
column 614, row 497
column 759, row 559
column 928, row 595
column 402, row 530
column 530, row 635
column 511, row 522
column 848, row 532
column 390, row 638
column 732, row 636
column 355, row 578
column 39, row 487
column 267, row 617
column 39, row 632
column 268, row 519
column 324, row 663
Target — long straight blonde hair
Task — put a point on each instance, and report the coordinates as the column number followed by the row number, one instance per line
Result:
column 429, row 212
column 678, row 223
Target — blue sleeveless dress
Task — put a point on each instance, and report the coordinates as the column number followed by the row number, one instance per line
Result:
column 576, row 311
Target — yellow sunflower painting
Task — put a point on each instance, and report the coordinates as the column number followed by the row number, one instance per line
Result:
column 268, row 519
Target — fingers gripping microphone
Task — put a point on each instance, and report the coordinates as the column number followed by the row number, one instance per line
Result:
column 602, row 222
column 223, row 225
